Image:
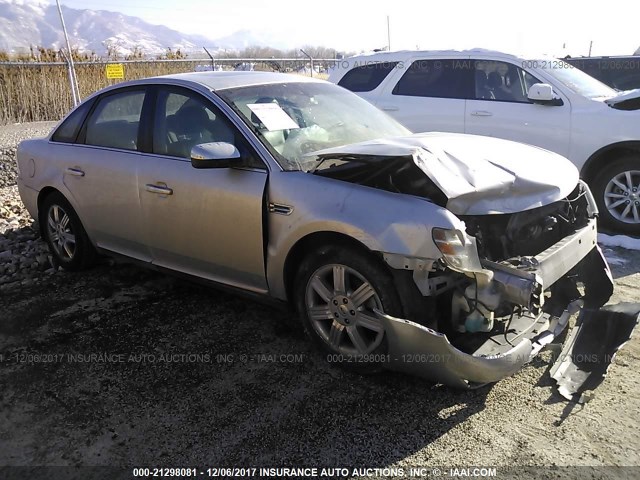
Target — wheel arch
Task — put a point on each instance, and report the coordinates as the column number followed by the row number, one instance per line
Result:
column 84, row 252
column 42, row 195
column 414, row 305
column 314, row 241
column 607, row 154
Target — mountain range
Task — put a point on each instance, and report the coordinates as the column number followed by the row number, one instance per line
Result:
column 26, row 23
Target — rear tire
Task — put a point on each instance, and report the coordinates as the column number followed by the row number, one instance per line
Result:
column 336, row 291
column 616, row 189
column 66, row 237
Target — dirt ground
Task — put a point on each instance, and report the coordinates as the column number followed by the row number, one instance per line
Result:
column 185, row 375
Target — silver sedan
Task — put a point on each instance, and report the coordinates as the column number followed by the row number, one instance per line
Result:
column 450, row 256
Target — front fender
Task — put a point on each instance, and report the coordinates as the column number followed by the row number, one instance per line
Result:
column 381, row 221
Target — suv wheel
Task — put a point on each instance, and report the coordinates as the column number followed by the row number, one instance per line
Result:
column 617, row 192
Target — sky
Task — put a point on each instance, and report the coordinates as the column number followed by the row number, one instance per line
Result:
column 554, row 27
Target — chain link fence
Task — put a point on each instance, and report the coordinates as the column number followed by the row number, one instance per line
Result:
column 35, row 91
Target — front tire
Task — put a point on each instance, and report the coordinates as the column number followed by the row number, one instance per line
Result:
column 66, row 237
column 336, row 292
column 617, row 193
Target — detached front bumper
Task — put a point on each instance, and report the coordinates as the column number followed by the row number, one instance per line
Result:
column 420, row 351
column 425, row 353
column 582, row 365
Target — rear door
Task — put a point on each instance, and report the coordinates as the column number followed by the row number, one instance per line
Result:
column 429, row 94
column 100, row 172
column 203, row 222
column 500, row 108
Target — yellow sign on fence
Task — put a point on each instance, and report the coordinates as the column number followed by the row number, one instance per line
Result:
column 115, row 70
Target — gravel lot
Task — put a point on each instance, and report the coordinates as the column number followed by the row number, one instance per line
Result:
column 123, row 366
column 10, row 136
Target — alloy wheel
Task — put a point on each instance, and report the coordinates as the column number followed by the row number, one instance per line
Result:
column 622, row 197
column 60, row 232
column 340, row 304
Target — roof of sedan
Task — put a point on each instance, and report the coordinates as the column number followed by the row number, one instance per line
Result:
column 222, row 80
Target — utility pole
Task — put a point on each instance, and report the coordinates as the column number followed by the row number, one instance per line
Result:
column 70, row 74
column 75, row 91
column 213, row 62
column 310, row 58
column 388, row 35
column 590, row 47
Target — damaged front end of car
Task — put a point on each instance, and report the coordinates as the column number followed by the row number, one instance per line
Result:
column 514, row 282
column 521, row 263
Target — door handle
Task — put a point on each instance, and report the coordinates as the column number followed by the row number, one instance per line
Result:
column 76, row 172
column 481, row 113
column 390, row 108
column 159, row 189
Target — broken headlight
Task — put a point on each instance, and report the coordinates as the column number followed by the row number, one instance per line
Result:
column 459, row 251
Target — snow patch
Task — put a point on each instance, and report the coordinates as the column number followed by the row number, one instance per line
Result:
column 623, row 241
column 612, row 258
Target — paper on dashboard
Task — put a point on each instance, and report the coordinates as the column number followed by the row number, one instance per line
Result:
column 272, row 116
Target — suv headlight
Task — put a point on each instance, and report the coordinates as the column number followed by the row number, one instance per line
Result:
column 458, row 249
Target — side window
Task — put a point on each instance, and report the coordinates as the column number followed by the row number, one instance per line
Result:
column 114, row 122
column 184, row 119
column 366, row 78
column 529, row 80
column 68, row 130
column 435, row 78
column 501, row 81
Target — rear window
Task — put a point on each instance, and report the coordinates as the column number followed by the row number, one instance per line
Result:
column 366, row 78
column 68, row 131
column 436, row 78
column 115, row 121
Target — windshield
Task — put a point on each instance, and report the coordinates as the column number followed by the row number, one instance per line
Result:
column 576, row 80
column 296, row 119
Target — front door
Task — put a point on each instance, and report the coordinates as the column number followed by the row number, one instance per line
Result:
column 501, row 108
column 204, row 222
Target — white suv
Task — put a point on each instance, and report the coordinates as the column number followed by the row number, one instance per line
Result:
column 544, row 102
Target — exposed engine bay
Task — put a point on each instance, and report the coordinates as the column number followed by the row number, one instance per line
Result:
column 509, row 244
column 503, row 237
column 397, row 175
column 516, row 279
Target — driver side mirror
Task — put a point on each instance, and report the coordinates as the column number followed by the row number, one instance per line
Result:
column 542, row 94
column 215, row 155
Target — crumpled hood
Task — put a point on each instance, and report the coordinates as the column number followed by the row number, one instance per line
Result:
column 478, row 175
